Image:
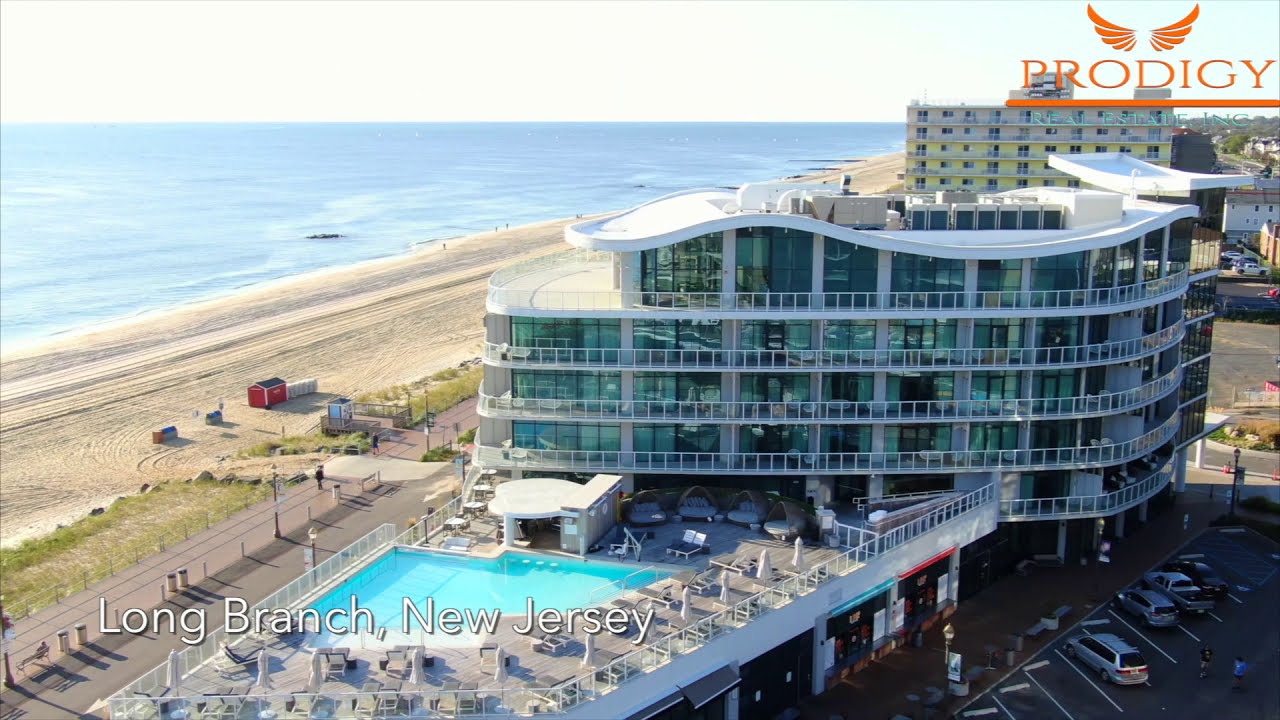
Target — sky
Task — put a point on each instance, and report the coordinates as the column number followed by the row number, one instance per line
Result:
column 835, row 61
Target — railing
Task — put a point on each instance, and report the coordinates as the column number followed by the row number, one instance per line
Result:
column 832, row 411
column 809, row 360
column 1086, row 505
column 604, row 591
column 832, row 462
column 977, row 171
column 502, row 296
column 435, row 521
column 555, row 700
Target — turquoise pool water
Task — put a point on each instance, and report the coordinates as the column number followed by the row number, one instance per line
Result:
column 504, row 583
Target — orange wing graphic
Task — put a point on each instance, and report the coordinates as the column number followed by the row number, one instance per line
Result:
column 1120, row 38
column 1166, row 37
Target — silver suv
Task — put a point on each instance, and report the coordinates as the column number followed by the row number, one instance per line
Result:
column 1111, row 657
column 1153, row 609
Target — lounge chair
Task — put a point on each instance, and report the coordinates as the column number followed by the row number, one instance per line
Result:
column 647, row 513
column 695, row 504
column 458, row 544
column 232, row 663
column 664, row 596
column 749, row 510
column 677, row 545
column 550, row 641
column 695, row 581
column 698, row 545
column 335, row 665
column 299, row 705
column 736, row 563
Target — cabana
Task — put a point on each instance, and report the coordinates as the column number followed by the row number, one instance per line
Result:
column 697, row 503
column 749, row 507
column 646, row 509
column 786, row 521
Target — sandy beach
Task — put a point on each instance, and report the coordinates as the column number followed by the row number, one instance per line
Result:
column 76, row 413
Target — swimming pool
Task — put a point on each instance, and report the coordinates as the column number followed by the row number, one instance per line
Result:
column 505, row 583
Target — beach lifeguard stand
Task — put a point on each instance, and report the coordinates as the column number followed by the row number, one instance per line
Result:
column 339, row 416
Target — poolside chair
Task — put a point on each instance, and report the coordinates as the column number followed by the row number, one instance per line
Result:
column 458, row 544
column 232, row 663
column 699, row 582
column 737, row 563
column 664, row 596
column 549, row 641
column 699, row 544
column 299, row 705
column 683, row 542
column 335, row 665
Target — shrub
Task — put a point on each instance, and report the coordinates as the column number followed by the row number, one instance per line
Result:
column 440, row 454
column 468, row 437
column 1261, row 504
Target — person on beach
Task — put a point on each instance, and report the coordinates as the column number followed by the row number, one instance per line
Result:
column 1206, row 656
column 1237, row 674
column 320, row 477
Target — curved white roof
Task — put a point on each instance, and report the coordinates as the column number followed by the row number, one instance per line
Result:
column 533, row 498
column 1122, row 172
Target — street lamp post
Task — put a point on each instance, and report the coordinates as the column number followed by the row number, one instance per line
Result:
column 948, row 634
column 1235, row 475
column 275, row 496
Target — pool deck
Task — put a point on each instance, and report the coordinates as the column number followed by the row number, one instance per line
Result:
column 458, row 662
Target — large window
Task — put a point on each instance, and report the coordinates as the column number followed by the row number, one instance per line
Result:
column 1198, row 340
column 848, row 268
column 849, row 335
column 676, row 334
column 926, row 274
column 919, row 387
column 1102, row 264
column 1057, row 331
column 791, row 387
column 677, row 438
column 1052, row 384
column 1127, row 262
column 773, row 438
column 999, row 280
column 995, row 386
column 567, row 436
column 1195, row 380
column 1053, row 434
column 846, row 438
column 691, row 266
column 993, row 436
column 776, row 335
column 1180, row 246
column 566, row 385
column 998, row 333
column 851, row 387
column 775, row 260
column 916, row 438
column 1057, row 272
column 1200, row 297
column 678, row 387
column 922, row 334
column 565, row 333
column 1152, row 249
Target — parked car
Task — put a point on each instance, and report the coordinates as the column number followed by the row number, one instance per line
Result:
column 1152, row 609
column 1254, row 269
column 1205, row 577
column 1113, row 658
column 1230, row 255
column 1179, row 588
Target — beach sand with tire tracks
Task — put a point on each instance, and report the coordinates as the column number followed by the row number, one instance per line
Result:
column 77, row 413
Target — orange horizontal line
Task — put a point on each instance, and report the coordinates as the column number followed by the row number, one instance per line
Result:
column 1171, row 102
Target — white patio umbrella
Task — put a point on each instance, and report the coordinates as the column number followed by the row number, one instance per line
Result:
column 416, row 676
column 264, row 676
column 685, row 597
column 724, row 586
column 317, row 672
column 798, row 558
column 589, row 655
column 174, row 675
column 500, row 675
column 764, row 571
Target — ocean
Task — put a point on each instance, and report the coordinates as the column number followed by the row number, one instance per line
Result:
column 103, row 222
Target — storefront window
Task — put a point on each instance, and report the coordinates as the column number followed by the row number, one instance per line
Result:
column 853, row 629
column 919, row 592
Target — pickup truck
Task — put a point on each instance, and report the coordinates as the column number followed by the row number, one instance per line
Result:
column 1178, row 587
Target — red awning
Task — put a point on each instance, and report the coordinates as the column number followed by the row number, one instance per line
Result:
column 926, row 564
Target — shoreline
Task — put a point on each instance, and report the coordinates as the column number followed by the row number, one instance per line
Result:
column 77, row 410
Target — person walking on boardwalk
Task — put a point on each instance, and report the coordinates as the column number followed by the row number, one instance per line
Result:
column 1206, row 656
column 375, row 443
column 320, row 476
column 1237, row 674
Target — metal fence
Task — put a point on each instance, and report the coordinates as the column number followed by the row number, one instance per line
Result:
column 1086, row 505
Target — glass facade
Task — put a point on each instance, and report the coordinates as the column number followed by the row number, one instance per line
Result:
column 691, row 266
column 1198, row 341
column 1205, row 250
column 1102, row 263
column 773, row 438
column 1051, row 384
column 1058, row 331
column 676, row 334
column 1058, row 272
column 919, row 387
column 566, row 384
column 1053, row 433
column 1001, row 333
column 774, row 260
column 1127, row 262
column 917, row 438
column 1152, row 252
column 845, row 438
column 1195, row 380
column 848, row 268
column 993, row 436
column 776, row 335
column 603, row 333
column 566, row 436
column 995, row 386
column 851, row 387
column 1000, row 279
column 922, row 334
column 676, row 438
column 1192, row 423
column 927, row 274
column 677, row 387
column 849, row 335
column 790, row 387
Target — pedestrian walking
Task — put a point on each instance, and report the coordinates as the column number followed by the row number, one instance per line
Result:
column 1237, row 674
column 1206, row 656
column 375, row 443
column 320, row 477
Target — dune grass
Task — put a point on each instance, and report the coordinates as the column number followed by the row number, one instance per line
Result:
column 435, row 393
column 302, row 444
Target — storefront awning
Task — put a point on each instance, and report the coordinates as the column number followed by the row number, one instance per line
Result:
column 710, row 687
column 925, row 564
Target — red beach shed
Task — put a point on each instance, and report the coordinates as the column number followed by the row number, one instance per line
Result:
column 267, row 393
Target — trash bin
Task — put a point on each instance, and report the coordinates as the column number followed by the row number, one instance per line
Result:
column 1010, row 657
column 182, row 578
column 171, row 582
column 337, row 493
column 64, row 641
column 917, row 639
column 1016, row 641
column 82, row 634
column 157, row 437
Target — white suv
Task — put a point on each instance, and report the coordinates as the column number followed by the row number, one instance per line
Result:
column 1251, row 269
column 1114, row 659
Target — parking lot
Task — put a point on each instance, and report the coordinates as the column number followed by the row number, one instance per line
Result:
column 1247, row 623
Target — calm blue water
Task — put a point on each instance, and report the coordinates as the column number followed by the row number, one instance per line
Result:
column 504, row 583
column 105, row 221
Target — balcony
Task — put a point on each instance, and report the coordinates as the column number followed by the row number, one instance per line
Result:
column 929, row 461
column 812, row 360
column 1006, row 172
column 1061, row 508
column 833, row 411
column 582, row 283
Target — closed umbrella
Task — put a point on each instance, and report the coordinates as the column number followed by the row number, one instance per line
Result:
column 798, row 559
column 317, row 672
column 589, row 655
column 500, row 675
column 174, row 675
column 685, row 596
column 724, row 586
column 264, row 678
column 416, row 677
column 764, row 570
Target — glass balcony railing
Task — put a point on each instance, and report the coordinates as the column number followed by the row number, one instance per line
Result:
column 795, row 461
column 1087, row 505
column 812, row 360
column 833, row 411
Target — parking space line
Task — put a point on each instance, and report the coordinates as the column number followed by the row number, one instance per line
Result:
column 1036, row 665
column 1019, row 686
column 1051, row 698
column 1005, row 709
column 982, row 711
column 1215, row 617
column 1151, row 642
column 1068, row 660
column 1233, row 597
column 1193, row 637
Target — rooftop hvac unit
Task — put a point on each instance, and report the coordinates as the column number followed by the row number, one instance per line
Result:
column 1029, row 216
column 964, row 216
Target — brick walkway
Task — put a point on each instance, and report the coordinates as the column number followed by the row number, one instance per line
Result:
column 75, row 682
column 1011, row 605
